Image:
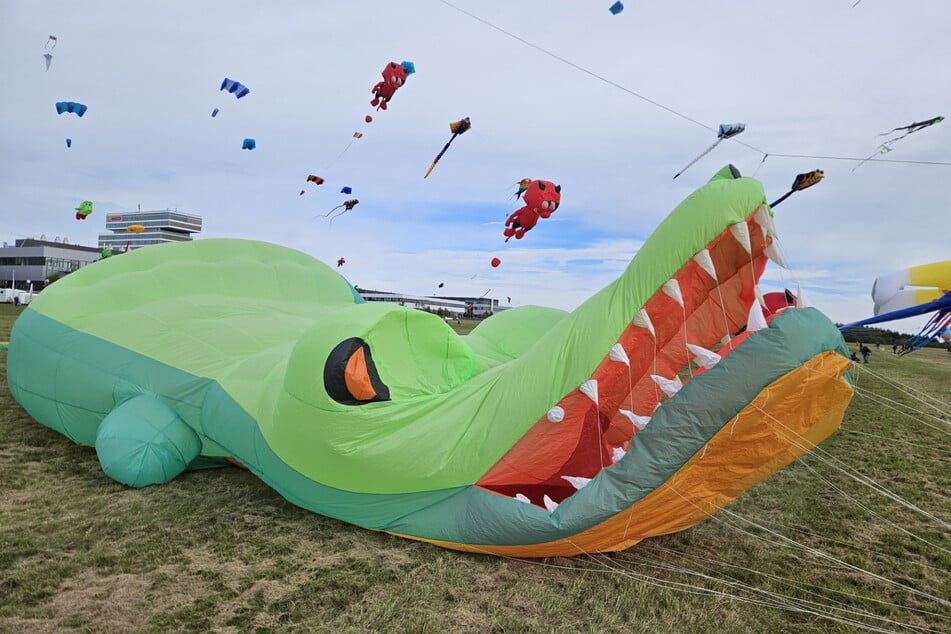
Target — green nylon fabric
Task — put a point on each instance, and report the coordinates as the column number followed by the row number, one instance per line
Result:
column 259, row 320
column 469, row 515
column 143, row 442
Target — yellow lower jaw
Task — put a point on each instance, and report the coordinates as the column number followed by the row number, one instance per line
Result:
column 787, row 419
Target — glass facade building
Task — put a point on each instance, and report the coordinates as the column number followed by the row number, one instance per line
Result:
column 158, row 227
column 29, row 262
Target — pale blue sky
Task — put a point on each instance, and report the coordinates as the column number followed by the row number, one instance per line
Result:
column 815, row 78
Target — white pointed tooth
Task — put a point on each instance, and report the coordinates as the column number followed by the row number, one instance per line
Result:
column 765, row 220
column 741, row 231
column 618, row 354
column 616, row 454
column 755, row 320
column 550, row 504
column 772, row 252
column 522, row 498
column 759, row 295
column 639, row 422
column 672, row 289
column 590, row 389
column 706, row 263
column 707, row 358
column 556, row 414
column 801, row 300
column 668, row 386
column 576, row 481
column 643, row 320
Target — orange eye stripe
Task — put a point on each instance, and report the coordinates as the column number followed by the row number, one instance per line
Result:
column 357, row 378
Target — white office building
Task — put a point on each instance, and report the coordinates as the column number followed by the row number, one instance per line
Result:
column 158, row 227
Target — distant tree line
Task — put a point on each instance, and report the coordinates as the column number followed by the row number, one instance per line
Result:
column 870, row 335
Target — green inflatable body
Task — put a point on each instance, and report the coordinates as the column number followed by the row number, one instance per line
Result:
column 540, row 433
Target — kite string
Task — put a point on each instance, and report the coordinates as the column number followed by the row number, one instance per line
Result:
column 785, row 601
column 942, row 407
column 657, row 104
column 772, row 599
column 782, row 540
column 832, row 462
column 710, row 563
column 896, row 406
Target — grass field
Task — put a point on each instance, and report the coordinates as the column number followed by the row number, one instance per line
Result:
column 812, row 549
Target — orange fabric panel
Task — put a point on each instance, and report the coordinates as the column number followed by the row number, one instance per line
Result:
column 357, row 378
column 711, row 313
column 544, row 450
column 801, row 408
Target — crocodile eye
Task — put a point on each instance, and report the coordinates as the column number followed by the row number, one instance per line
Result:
column 350, row 377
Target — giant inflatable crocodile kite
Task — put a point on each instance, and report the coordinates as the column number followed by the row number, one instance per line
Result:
column 540, row 433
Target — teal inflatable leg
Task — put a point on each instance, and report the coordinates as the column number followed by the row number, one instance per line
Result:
column 143, row 441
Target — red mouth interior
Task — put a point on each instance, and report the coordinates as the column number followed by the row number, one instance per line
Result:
column 585, row 441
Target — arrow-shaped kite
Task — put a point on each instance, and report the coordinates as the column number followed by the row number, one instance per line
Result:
column 457, row 128
column 802, row 182
column 727, row 130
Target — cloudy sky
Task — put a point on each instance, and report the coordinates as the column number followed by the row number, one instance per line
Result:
column 608, row 106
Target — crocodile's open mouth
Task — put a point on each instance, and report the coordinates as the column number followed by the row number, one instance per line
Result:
column 706, row 305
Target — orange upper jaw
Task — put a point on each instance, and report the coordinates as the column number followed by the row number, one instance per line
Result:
column 591, row 427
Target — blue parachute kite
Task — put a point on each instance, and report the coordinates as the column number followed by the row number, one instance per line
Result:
column 235, row 88
column 71, row 106
column 249, row 144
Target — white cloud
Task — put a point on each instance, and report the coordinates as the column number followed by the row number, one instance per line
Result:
column 821, row 80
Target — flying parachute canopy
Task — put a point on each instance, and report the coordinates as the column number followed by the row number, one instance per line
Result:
column 616, row 8
column 346, row 190
column 726, row 131
column 237, row 89
column 214, row 113
column 69, row 142
column 73, row 107
column 317, row 180
column 249, row 144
